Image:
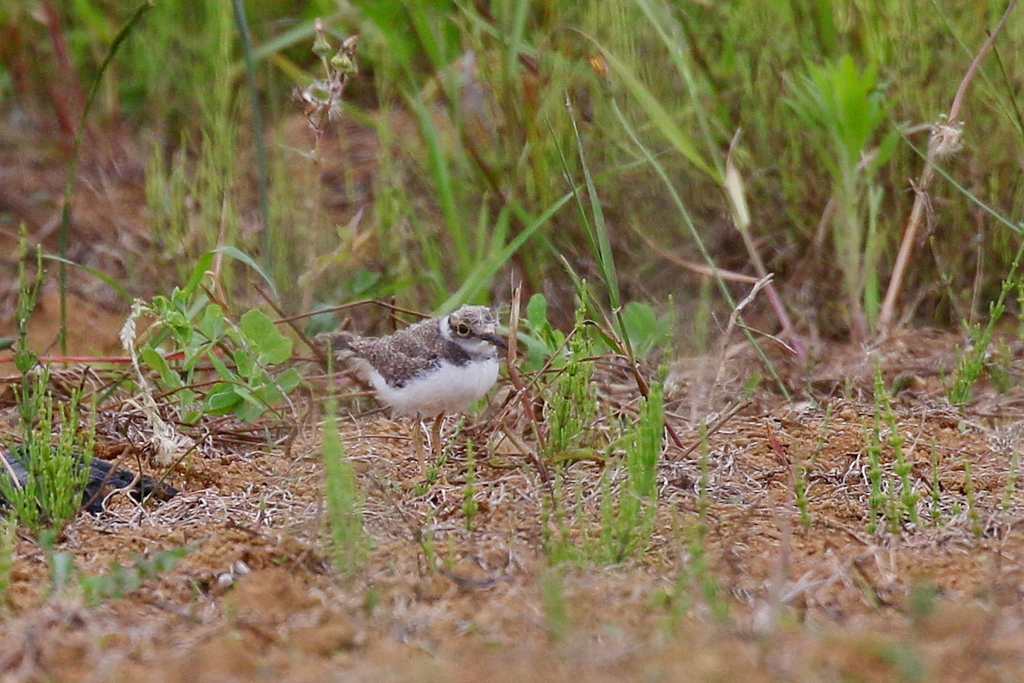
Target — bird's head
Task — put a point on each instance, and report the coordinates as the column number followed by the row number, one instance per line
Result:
column 474, row 328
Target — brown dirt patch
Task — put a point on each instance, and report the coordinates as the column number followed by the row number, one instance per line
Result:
column 256, row 596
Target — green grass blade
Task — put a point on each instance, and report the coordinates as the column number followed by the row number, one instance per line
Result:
column 65, row 214
column 440, row 173
column 259, row 140
column 673, row 38
column 479, row 276
column 659, row 116
column 114, row 284
column 242, row 257
column 302, row 33
column 598, row 228
column 692, row 229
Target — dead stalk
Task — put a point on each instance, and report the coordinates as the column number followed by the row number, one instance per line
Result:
column 521, row 392
column 734, row 319
column 945, row 140
column 736, row 193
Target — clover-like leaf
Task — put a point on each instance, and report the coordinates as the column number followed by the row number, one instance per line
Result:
column 269, row 345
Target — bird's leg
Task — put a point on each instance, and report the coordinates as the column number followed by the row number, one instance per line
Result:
column 417, row 445
column 435, row 434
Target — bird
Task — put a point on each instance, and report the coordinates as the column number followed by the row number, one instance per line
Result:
column 438, row 366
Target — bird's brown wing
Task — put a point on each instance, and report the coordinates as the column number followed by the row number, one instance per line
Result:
column 398, row 357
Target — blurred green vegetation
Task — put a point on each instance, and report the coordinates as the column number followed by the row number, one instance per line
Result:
column 458, row 162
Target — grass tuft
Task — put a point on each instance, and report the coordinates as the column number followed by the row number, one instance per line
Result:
column 54, row 451
column 343, row 500
column 53, row 447
column 846, row 107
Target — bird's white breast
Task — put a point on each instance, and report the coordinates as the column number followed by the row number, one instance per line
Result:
column 447, row 389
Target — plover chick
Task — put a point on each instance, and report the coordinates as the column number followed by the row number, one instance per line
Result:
column 437, row 366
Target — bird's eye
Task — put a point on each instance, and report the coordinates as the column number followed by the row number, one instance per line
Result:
column 462, row 330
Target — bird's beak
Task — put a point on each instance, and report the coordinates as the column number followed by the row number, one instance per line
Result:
column 495, row 339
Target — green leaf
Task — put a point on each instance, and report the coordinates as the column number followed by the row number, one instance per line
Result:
column 270, row 346
column 156, row 362
column 268, row 394
column 98, row 274
column 245, row 364
column 644, row 329
column 195, row 351
column 212, row 323
column 203, row 264
column 251, row 406
column 537, row 311
column 660, row 117
column 886, row 148
column 841, row 100
column 288, row 380
column 390, row 19
column 497, row 259
column 222, row 399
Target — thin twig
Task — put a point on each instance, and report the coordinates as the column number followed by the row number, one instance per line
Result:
column 355, row 304
column 736, row 194
column 719, row 423
column 734, row 320
column 945, row 140
column 521, row 392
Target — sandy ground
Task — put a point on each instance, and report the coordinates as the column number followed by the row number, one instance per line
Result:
column 441, row 595
column 732, row 586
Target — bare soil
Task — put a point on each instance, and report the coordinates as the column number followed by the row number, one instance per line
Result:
column 256, row 596
column 442, row 595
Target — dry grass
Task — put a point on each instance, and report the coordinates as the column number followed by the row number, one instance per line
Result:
column 256, row 595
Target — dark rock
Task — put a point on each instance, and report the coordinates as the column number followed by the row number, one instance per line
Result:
column 104, row 477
